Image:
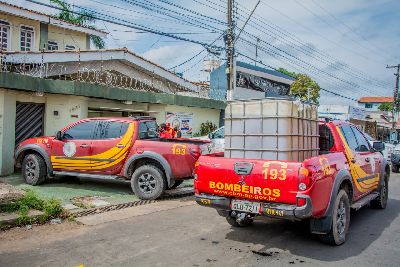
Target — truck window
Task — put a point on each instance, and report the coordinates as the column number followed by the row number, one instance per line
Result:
column 219, row 133
column 81, row 131
column 110, row 129
column 326, row 140
column 363, row 144
column 349, row 135
column 148, row 130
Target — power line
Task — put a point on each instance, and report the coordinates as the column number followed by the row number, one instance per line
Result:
column 114, row 20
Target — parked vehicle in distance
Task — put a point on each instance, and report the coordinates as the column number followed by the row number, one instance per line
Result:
column 388, row 148
column 395, row 159
column 348, row 174
column 127, row 148
column 217, row 139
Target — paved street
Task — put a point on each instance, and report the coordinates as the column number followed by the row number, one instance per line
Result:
column 190, row 235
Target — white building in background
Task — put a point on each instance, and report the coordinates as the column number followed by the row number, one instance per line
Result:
column 341, row 112
column 371, row 103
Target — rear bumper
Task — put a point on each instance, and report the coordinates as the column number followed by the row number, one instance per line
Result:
column 276, row 210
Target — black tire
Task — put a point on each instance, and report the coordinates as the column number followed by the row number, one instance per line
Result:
column 381, row 201
column 34, row 169
column 148, row 182
column 232, row 221
column 395, row 169
column 340, row 220
column 176, row 184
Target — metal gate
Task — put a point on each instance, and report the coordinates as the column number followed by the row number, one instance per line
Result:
column 29, row 121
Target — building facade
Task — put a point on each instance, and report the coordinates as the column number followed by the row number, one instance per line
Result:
column 49, row 77
column 371, row 103
column 27, row 30
column 252, row 82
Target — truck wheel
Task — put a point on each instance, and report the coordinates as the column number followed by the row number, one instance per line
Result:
column 176, row 184
column 340, row 220
column 34, row 169
column 395, row 169
column 148, row 182
column 232, row 221
column 381, row 201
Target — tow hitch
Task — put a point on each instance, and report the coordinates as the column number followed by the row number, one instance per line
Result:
column 241, row 218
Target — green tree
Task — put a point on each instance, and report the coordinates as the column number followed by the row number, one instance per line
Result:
column 388, row 106
column 83, row 19
column 304, row 87
column 288, row 73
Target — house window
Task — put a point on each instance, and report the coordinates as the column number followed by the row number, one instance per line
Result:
column 27, row 35
column 69, row 47
column 4, row 35
column 51, row 45
column 368, row 105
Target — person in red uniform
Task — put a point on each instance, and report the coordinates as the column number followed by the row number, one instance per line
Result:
column 170, row 130
column 164, row 133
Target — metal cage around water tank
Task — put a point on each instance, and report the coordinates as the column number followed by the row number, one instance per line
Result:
column 271, row 128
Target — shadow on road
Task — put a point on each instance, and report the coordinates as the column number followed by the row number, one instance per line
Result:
column 366, row 226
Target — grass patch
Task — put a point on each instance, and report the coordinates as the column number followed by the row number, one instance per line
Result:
column 51, row 207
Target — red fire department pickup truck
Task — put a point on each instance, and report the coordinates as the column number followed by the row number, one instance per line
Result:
column 347, row 174
column 127, row 148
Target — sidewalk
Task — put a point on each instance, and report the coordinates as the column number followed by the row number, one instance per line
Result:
column 68, row 188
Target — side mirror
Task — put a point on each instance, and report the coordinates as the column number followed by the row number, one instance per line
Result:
column 59, row 135
column 379, row 146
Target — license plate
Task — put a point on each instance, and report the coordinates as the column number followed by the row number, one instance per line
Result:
column 246, row 206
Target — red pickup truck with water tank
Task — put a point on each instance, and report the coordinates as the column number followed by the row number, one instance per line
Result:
column 110, row 148
column 347, row 173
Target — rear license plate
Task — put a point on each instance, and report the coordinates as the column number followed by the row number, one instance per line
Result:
column 245, row 206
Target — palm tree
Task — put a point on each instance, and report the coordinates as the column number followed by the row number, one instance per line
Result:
column 83, row 19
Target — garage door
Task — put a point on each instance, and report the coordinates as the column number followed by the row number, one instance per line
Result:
column 29, row 121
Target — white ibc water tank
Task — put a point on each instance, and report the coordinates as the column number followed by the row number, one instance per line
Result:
column 271, row 128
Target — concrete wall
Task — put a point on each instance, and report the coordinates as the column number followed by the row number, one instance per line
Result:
column 200, row 115
column 62, row 110
column 65, row 37
column 7, row 131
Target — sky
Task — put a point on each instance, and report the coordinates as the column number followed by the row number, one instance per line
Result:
column 344, row 45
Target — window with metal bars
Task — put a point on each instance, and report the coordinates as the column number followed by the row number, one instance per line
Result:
column 27, row 35
column 69, row 47
column 4, row 35
column 51, row 45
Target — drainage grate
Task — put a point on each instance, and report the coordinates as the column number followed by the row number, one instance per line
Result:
column 167, row 196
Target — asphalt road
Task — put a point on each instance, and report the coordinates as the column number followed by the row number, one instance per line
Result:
column 197, row 236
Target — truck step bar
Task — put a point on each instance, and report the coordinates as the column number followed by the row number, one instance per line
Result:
column 94, row 176
column 364, row 201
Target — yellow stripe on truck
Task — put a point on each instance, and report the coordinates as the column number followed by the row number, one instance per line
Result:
column 89, row 163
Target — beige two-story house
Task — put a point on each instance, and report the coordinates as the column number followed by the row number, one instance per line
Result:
column 27, row 30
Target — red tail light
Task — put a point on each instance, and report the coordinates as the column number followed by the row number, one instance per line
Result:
column 301, row 202
column 195, row 153
column 304, row 179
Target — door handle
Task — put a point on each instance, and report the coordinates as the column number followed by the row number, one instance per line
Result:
column 367, row 159
column 84, row 146
column 120, row 146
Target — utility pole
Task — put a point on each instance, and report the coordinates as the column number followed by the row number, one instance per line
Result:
column 396, row 93
column 230, row 51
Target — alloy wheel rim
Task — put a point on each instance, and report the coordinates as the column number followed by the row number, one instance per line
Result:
column 30, row 169
column 341, row 218
column 147, row 183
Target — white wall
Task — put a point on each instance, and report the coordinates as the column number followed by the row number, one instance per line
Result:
column 200, row 115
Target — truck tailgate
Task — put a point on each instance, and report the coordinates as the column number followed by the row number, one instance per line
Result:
column 263, row 180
